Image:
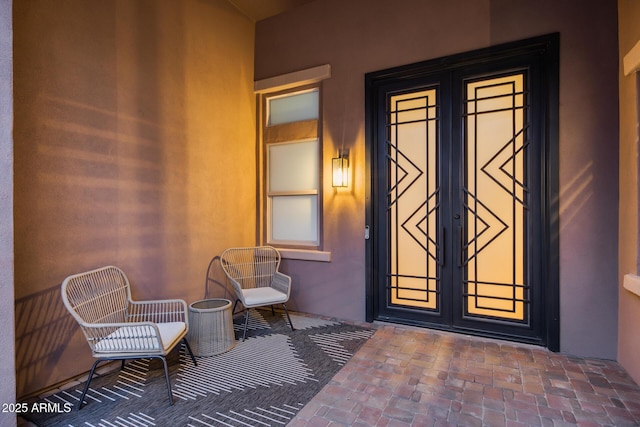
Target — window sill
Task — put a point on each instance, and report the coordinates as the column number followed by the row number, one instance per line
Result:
column 631, row 283
column 305, row 255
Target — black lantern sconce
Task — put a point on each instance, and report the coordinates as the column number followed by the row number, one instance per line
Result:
column 340, row 168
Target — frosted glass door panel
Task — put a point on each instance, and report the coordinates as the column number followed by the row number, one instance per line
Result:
column 496, row 198
column 414, row 194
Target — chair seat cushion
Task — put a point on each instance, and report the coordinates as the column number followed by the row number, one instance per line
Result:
column 263, row 296
column 141, row 338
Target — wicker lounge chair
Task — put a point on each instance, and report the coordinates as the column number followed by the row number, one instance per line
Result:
column 253, row 273
column 117, row 328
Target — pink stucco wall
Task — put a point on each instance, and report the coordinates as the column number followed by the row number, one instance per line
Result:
column 356, row 37
column 629, row 306
column 131, row 121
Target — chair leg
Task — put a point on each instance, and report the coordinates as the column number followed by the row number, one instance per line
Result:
column 288, row 318
column 233, row 311
column 86, row 386
column 186, row 343
column 166, row 377
column 246, row 322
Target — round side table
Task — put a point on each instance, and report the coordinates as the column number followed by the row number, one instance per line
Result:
column 211, row 327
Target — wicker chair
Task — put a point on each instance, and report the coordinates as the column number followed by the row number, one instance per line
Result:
column 117, row 328
column 253, row 273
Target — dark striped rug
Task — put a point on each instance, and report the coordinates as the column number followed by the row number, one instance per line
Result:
column 263, row 381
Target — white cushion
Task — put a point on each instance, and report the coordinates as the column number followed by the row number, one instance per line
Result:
column 140, row 338
column 263, row 296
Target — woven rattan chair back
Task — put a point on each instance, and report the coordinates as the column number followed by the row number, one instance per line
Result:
column 100, row 296
column 251, row 267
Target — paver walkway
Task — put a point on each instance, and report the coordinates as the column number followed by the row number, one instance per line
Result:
column 410, row 377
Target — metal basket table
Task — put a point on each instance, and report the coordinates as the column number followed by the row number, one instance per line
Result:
column 211, row 327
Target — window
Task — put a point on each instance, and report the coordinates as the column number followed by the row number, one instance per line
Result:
column 293, row 107
column 289, row 210
column 291, row 157
column 631, row 67
column 292, row 193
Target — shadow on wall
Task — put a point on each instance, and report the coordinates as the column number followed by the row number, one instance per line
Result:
column 216, row 282
column 120, row 136
column 44, row 328
column 575, row 195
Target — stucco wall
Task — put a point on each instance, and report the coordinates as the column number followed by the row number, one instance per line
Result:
column 134, row 146
column 629, row 306
column 357, row 36
column 7, row 337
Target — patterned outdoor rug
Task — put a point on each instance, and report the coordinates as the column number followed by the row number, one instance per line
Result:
column 263, row 381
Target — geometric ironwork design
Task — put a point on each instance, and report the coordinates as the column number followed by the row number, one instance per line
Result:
column 463, row 192
column 407, row 173
column 416, row 225
column 491, row 226
column 413, row 200
column 493, row 194
column 495, row 199
column 504, row 160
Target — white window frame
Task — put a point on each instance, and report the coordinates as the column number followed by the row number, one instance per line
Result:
column 313, row 192
column 273, row 88
column 631, row 66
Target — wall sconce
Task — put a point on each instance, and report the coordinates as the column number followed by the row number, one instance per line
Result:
column 340, row 168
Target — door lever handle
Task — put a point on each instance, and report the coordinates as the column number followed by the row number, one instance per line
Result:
column 461, row 242
column 441, row 247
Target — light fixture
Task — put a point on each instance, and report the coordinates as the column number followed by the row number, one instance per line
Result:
column 340, row 168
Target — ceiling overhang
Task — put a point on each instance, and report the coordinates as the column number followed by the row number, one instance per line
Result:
column 258, row 10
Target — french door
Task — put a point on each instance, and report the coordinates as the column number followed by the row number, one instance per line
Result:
column 460, row 151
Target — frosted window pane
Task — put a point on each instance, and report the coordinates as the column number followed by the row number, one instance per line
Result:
column 293, row 166
column 294, row 219
column 293, row 108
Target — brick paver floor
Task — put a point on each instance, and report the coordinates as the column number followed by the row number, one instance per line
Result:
column 409, row 377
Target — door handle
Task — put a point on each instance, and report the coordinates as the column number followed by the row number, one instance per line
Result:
column 441, row 247
column 461, row 241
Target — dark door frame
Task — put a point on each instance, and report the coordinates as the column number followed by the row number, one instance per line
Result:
column 547, row 47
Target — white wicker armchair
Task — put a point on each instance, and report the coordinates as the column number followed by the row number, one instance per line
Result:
column 117, row 328
column 253, row 273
